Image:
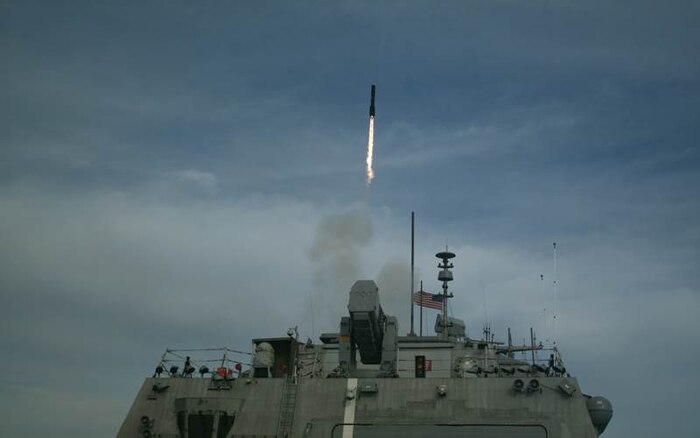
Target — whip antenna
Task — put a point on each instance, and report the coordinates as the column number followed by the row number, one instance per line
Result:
column 556, row 275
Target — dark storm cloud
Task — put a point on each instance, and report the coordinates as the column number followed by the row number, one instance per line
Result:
column 165, row 168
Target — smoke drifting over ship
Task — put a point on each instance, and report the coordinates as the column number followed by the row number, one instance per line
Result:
column 336, row 246
column 335, row 252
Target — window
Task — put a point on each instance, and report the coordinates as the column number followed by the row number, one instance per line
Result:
column 420, row 367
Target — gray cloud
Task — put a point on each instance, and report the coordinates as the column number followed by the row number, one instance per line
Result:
column 203, row 180
column 95, row 286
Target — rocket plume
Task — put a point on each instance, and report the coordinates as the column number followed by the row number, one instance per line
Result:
column 370, row 140
column 370, row 151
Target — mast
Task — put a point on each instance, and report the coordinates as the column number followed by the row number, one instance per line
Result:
column 421, row 307
column 445, row 275
column 413, row 227
column 510, row 345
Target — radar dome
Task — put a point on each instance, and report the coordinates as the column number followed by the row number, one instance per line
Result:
column 264, row 355
column 600, row 410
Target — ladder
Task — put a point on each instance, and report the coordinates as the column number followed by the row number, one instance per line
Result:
column 309, row 364
column 289, row 398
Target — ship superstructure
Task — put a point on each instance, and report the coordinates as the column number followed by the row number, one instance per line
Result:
column 367, row 381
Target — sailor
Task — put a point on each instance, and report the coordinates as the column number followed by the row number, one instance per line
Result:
column 551, row 364
column 186, row 372
column 159, row 370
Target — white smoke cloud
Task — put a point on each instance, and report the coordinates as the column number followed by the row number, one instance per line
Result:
column 336, row 253
column 394, row 282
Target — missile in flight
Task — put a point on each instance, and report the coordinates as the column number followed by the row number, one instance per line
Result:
column 371, row 103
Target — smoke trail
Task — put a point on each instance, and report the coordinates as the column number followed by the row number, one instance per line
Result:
column 336, row 248
column 370, row 151
column 394, row 282
column 336, row 254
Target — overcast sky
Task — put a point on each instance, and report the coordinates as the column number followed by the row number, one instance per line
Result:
column 178, row 175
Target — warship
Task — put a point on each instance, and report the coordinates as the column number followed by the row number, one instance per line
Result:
column 364, row 380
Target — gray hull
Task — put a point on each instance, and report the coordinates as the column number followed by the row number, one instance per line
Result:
column 484, row 407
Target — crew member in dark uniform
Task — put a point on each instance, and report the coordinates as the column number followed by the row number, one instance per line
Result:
column 186, row 372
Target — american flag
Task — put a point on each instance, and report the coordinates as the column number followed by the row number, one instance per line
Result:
column 433, row 301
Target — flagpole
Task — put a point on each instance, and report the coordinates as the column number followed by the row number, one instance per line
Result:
column 421, row 307
column 413, row 222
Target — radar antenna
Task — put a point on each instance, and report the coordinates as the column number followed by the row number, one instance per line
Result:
column 445, row 275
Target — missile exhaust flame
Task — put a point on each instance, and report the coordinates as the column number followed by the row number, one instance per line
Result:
column 370, row 140
column 370, row 151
